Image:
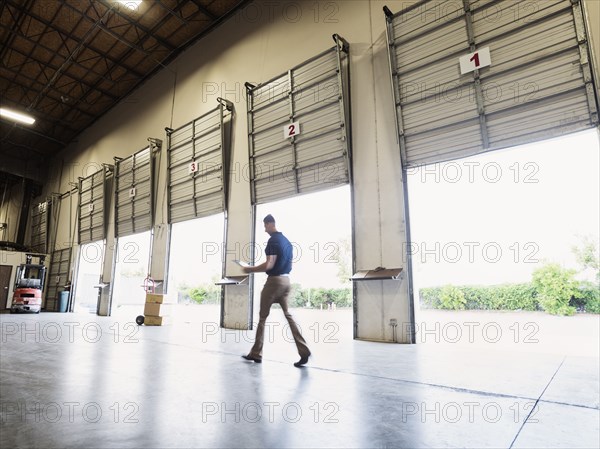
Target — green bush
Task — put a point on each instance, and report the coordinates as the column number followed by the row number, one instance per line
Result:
column 502, row 297
column 204, row 294
column 452, row 298
column 298, row 296
column 587, row 298
column 320, row 297
column 555, row 286
column 493, row 297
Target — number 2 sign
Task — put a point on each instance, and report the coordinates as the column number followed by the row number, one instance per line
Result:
column 291, row 130
column 476, row 60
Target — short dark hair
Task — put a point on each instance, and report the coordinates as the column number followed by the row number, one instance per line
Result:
column 269, row 219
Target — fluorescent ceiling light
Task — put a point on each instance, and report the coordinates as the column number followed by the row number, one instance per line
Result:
column 17, row 117
column 131, row 4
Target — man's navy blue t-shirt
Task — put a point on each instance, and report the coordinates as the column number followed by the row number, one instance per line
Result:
column 278, row 245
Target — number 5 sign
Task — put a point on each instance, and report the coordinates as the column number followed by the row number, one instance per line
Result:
column 476, row 60
column 291, row 130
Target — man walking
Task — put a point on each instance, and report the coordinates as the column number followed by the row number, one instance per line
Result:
column 278, row 265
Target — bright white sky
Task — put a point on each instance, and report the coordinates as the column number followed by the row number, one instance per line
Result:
column 314, row 223
column 545, row 195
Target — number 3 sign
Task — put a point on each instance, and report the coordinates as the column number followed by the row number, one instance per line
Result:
column 476, row 60
column 291, row 130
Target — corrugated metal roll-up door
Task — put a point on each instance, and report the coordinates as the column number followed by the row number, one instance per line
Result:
column 297, row 128
column 539, row 83
column 134, row 193
column 198, row 161
column 39, row 227
column 92, row 220
column 58, row 272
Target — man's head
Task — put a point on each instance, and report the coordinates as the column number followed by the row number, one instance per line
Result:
column 269, row 223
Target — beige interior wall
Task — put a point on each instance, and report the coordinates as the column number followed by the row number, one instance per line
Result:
column 592, row 9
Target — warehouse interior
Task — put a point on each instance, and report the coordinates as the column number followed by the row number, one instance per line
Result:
column 151, row 117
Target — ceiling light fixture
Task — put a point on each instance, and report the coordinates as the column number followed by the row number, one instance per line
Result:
column 132, row 5
column 16, row 116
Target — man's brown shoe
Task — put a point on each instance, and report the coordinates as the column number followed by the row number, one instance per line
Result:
column 302, row 361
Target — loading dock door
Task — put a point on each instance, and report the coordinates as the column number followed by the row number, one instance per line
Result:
column 197, row 166
column 298, row 133
column 537, row 83
column 134, row 195
column 39, row 227
column 478, row 75
column 58, row 275
column 92, row 220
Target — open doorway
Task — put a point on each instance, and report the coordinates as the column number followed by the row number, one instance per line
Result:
column 195, row 265
column 504, row 244
column 319, row 227
column 131, row 268
column 89, row 269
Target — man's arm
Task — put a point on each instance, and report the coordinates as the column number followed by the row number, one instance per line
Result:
column 265, row 266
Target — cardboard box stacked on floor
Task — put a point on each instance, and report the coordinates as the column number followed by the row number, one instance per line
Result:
column 152, row 310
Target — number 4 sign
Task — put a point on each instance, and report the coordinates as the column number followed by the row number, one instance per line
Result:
column 476, row 60
column 291, row 130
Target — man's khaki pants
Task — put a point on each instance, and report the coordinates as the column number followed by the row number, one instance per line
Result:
column 276, row 290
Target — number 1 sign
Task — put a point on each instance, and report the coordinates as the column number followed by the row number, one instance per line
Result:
column 291, row 130
column 476, row 60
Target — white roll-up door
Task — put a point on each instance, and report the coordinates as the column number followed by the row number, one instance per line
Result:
column 538, row 85
column 297, row 128
column 92, row 219
column 39, row 227
column 134, row 194
column 58, row 272
column 198, row 160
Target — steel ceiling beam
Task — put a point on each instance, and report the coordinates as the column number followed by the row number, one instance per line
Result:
column 89, row 46
column 204, row 11
column 7, row 45
column 26, row 88
column 135, row 24
column 55, row 67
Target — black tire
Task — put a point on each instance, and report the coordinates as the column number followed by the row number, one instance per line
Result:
column 139, row 320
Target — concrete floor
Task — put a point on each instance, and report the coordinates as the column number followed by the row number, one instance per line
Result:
column 73, row 380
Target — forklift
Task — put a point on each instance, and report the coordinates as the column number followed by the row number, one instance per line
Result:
column 29, row 285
